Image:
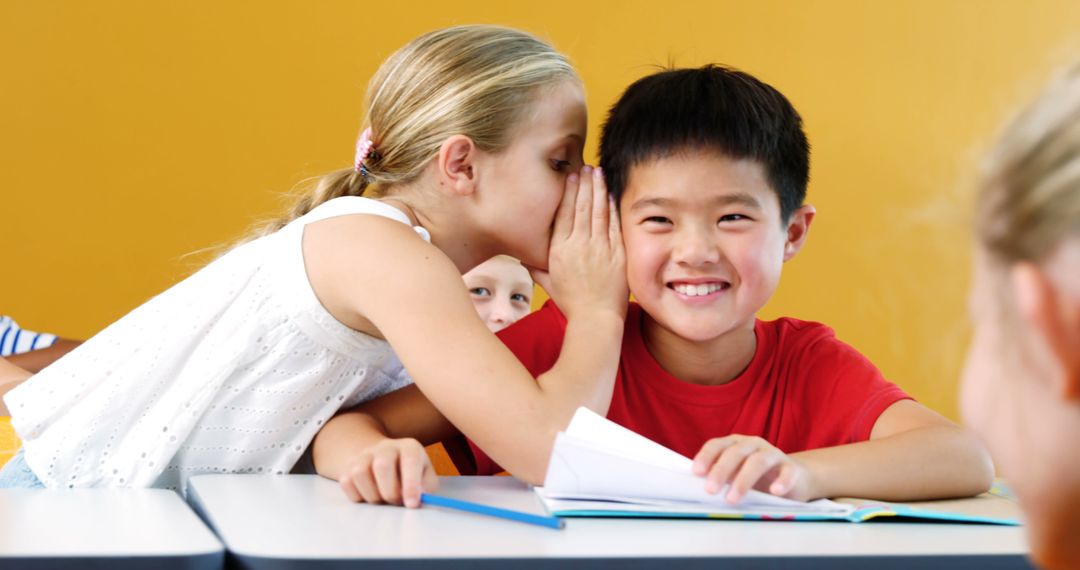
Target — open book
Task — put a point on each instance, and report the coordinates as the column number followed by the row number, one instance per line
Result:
column 601, row 469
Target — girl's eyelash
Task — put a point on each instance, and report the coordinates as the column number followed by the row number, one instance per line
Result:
column 521, row 298
column 480, row 291
column 560, row 165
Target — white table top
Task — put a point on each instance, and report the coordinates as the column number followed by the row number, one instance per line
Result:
column 114, row 528
column 266, row 521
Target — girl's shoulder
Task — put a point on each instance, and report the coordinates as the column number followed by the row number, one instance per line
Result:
column 357, row 205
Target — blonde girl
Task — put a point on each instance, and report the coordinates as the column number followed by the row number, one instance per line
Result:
column 1021, row 388
column 472, row 138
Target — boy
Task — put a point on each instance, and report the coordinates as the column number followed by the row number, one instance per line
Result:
column 709, row 168
column 501, row 290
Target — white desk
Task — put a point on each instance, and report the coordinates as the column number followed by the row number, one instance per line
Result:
column 279, row 521
column 103, row 528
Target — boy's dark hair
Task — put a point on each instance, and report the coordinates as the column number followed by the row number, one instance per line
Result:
column 711, row 107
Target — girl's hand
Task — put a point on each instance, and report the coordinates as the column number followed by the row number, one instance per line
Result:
column 393, row 471
column 749, row 462
column 587, row 263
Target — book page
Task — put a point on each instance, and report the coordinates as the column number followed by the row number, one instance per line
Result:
column 596, row 459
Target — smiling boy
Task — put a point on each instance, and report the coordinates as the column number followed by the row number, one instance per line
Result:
column 709, row 168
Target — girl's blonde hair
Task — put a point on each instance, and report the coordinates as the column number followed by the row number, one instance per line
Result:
column 1030, row 197
column 478, row 81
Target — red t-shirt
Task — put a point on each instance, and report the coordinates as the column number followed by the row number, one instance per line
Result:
column 803, row 389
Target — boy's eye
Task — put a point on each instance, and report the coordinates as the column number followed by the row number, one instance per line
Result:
column 560, row 165
column 480, row 291
column 733, row 218
column 657, row 220
column 519, row 298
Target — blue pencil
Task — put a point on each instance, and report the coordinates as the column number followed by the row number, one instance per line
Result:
column 440, row 501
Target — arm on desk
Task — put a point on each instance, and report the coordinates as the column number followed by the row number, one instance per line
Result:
column 913, row 454
column 376, row 450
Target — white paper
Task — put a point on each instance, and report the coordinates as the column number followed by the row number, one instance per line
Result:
column 597, row 459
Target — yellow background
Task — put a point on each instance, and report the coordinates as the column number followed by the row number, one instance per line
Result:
column 134, row 133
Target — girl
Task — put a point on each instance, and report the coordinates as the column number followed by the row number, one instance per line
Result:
column 1021, row 387
column 471, row 138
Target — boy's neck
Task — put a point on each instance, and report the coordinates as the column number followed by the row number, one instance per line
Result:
column 709, row 363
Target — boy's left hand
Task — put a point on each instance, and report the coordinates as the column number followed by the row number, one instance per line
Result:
column 749, row 462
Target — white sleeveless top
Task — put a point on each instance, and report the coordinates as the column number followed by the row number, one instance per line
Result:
column 232, row 370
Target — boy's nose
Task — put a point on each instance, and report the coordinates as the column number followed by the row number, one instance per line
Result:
column 500, row 314
column 696, row 247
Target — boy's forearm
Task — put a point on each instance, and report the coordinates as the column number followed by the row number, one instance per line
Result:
column 342, row 438
column 10, row 377
column 927, row 463
column 36, row 360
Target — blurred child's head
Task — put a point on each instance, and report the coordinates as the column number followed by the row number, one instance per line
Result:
column 470, row 107
column 501, row 289
column 709, row 167
column 1022, row 379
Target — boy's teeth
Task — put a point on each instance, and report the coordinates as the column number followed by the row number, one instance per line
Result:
column 697, row 290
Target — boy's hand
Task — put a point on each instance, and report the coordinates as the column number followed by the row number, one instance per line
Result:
column 587, row 263
column 749, row 462
column 394, row 471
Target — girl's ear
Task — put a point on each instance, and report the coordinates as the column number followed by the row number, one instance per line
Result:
column 456, row 164
column 1053, row 315
column 797, row 229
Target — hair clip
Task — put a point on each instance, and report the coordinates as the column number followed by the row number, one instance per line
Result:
column 364, row 148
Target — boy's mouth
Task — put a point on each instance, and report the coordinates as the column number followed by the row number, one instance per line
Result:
column 698, row 289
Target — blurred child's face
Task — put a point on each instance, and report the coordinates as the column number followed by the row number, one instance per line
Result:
column 704, row 242
column 502, row 291
column 1010, row 397
column 528, row 178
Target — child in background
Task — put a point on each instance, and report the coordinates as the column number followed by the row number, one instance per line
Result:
column 1021, row 388
column 501, row 290
column 709, row 167
column 473, row 137
column 30, row 350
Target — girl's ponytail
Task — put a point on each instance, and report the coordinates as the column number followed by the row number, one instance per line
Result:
column 344, row 182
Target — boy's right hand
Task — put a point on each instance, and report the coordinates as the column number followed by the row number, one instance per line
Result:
column 394, row 471
column 587, row 263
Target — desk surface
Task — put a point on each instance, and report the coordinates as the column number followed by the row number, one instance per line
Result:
column 271, row 521
column 105, row 528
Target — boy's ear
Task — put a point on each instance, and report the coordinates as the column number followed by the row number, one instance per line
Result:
column 797, row 229
column 456, row 164
column 1054, row 316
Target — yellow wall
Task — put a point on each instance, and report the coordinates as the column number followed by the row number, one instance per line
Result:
column 132, row 133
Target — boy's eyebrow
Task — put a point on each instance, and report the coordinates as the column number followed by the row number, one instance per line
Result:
column 736, row 198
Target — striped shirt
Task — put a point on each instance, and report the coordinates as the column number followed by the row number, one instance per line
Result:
column 14, row 340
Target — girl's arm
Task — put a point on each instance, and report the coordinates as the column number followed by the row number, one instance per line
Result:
column 374, row 271
column 376, row 450
column 912, row 454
